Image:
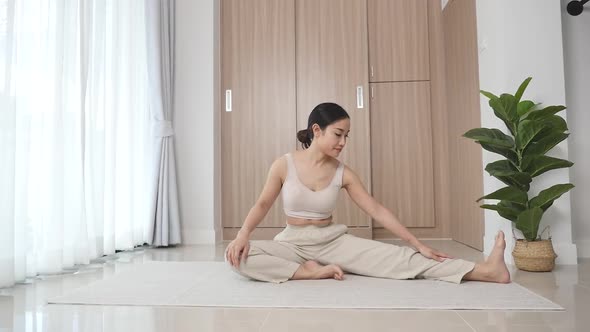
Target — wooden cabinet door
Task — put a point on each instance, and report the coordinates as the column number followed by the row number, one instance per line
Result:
column 332, row 67
column 462, row 72
column 401, row 151
column 398, row 40
column 258, row 67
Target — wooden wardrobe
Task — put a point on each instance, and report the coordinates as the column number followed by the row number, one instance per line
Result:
column 408, row 115
column 258, row 121
column 382, row 60
column 332, row 62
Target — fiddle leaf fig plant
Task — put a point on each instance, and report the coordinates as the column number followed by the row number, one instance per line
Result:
column 533, row 131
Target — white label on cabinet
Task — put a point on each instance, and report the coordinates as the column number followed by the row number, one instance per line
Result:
column 228, row 100
column 359, row 97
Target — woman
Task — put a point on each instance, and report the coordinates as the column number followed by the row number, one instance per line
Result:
column 313, row 247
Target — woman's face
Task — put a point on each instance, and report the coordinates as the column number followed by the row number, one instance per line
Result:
column 333, row 138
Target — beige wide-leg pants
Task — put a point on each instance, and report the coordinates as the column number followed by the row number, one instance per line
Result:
column 277, row 260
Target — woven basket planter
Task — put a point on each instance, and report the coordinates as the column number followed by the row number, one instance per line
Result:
column 534, row 256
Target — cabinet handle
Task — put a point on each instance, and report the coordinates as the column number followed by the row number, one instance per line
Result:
column 228, row 100
column 371, row 71
column 359, row 97
column 372, row 92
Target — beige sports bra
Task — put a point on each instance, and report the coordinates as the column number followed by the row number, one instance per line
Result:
column 301, row 202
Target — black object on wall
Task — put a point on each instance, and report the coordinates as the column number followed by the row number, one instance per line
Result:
column 576, row 8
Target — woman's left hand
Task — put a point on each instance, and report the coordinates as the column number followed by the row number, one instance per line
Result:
column 432, row 254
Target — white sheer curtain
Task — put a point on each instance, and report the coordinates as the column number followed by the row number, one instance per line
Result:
column 75, row 143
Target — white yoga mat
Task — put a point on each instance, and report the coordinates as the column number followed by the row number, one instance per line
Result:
column 214, row 284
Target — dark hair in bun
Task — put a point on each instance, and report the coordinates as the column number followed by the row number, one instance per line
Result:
column 324, row 115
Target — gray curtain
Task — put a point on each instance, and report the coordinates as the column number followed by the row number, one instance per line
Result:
column 165, row 223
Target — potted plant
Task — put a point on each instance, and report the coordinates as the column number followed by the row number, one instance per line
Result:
column 533, row 131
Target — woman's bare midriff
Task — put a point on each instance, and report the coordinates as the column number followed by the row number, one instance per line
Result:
column 303, row 222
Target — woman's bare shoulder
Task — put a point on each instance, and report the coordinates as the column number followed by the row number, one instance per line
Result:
column 279, row 167
column 349, row 176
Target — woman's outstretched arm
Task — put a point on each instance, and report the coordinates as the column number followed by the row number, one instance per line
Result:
column 239, row 247
column 381, row 214
column 269, row 194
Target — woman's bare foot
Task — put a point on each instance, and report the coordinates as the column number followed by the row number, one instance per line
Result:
column 494, row 268
column 314, row 270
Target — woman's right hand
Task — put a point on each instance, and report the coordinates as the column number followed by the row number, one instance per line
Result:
column 236, row 250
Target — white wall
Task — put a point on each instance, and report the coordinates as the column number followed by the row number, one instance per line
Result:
column 576, row 37
column 195, row 119
column 518, row 39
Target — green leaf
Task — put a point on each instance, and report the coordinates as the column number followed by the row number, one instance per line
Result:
column 546, row 197
column 527, row 131
column 554, row 123
column 502, row 211
column 545, row 143
column 494, row 140
column 514, row 208
column 543, row 113
column 510, row 194
column 537, row 165
column 488, row 94
column 505, row 109
column 510, row 154
column 504, row 171
column 500, row 167
column 489, row 207
column 528, row 222
column 524, row 107
column 491, row 137
column 521, row 88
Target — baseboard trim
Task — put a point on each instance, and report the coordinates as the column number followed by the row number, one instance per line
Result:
column 199, row 236
column 583, row 248
column 567, row 253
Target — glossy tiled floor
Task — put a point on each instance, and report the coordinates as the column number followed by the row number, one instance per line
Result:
column 24, row 308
